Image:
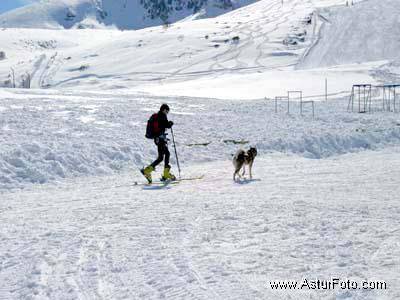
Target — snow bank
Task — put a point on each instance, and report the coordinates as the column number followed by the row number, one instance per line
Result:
column 63, row 134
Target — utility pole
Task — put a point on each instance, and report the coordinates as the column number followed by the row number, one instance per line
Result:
column 326, row 89
column 13, row 77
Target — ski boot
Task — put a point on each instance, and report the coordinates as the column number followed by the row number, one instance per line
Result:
column 147, row 173
column 167, row 176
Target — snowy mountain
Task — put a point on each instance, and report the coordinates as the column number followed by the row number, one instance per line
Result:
column 123, row 14
column 251, row 41
column 267, row 47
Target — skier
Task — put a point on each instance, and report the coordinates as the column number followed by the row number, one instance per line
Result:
column 155, row 130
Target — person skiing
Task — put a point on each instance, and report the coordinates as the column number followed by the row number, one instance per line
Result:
column 155, row 130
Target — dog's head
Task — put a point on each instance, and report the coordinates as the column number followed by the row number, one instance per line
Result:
column 253, row 151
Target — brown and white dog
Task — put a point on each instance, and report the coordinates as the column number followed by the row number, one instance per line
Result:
column 243, row 158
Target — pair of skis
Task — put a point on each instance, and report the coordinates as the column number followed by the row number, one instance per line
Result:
column 167, row 182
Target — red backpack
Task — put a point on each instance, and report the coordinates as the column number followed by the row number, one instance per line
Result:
column 153, row 129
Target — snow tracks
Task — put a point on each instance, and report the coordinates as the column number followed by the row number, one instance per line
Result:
column 299, row 218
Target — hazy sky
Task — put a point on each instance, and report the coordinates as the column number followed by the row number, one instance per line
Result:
column 11, row 4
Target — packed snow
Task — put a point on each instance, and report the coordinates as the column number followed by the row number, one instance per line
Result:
column 104, row 238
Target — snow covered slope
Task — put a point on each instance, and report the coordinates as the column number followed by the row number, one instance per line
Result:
column 123, row 14
column 252, row 41
column 266, row 48
column 368, row 31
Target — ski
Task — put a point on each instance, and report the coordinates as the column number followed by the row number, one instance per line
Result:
column 167, row 182
column 155, row 183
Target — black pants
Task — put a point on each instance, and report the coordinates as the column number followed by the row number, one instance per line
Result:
column 163, row 152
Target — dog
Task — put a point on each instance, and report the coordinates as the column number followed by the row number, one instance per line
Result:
column 243, row 158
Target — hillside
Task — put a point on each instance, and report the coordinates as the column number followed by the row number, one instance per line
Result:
column 121, row 14
column 252, row 41
column 364, row 32
column 265, row 47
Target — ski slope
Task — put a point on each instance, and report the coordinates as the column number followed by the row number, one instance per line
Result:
column 365, row 32
column 259, row 48
column 102, row 238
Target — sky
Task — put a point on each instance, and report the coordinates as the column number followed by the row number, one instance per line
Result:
column 6, row 5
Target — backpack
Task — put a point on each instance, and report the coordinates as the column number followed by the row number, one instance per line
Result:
column 153, row 128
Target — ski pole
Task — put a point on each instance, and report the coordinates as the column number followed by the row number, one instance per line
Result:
column 176, row 153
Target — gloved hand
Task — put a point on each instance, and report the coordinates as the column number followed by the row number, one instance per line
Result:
column 171, row 123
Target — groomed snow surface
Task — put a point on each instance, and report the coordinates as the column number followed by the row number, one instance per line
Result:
column 104, row 238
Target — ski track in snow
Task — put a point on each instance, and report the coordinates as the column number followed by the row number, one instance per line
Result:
column 209, row 239
column 258, row 23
